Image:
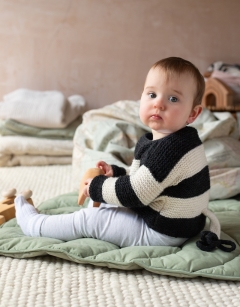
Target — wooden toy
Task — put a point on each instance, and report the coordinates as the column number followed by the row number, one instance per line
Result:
column 219, row 97
column 7, row 207
column 27, row 194
column 90, row 173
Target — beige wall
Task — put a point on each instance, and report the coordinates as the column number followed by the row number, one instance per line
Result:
column 102, row 49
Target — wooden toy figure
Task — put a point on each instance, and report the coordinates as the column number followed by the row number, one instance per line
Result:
column 217, row 96
column 90, row 173
column 7, row 207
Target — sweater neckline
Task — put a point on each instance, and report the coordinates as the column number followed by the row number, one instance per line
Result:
column 149, row 135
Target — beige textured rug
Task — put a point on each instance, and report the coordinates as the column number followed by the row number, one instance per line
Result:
column 49, row 281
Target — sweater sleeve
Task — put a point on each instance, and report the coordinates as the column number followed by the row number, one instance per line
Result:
column 157, row 171
column 118, row 171
column 129, row 191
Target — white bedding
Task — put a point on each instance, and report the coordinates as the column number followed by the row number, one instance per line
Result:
column 45, row 109
column 21, row 150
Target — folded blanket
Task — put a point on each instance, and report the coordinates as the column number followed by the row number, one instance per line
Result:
column 12, row 127
column 28, row 160
column 14, row 148
column 47, row 109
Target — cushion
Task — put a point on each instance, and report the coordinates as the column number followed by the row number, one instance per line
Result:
column 185, row 261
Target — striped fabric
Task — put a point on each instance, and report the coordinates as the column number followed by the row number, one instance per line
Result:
column 168, row 184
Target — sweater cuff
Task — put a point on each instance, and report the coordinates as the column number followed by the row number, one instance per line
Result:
column 95, row 189
column 118, row 171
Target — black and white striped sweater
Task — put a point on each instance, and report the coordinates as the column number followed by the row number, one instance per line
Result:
column 168, row 184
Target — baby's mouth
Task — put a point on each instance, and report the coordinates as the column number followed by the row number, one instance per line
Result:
column 156, row 117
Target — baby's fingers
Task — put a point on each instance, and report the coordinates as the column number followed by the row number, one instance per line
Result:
column 102, row 165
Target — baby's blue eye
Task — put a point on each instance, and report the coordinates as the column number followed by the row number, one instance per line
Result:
column 173, row 99
column 152, row 95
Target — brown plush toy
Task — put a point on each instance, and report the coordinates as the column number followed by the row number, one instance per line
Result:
column 7, row 207
column 90, row 173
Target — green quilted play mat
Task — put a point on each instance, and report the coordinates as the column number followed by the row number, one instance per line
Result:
column 186, row 261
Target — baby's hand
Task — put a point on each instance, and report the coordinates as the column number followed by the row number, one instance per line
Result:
column 106, row 168
column 86, row 188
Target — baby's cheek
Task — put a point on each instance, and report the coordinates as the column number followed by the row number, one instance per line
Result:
column 143, row 109
column 143, row 115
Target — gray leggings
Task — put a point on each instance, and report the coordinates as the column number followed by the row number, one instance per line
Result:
column 117, row 225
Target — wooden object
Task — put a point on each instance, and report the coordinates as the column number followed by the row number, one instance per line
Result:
column 27, row 194
column 91, row 173
column 219, row 97
column 7, row 207
column 7, row 212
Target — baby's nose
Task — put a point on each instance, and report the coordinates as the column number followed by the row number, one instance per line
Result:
column 159, row 104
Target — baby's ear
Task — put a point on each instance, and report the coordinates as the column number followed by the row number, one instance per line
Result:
column 194, row 113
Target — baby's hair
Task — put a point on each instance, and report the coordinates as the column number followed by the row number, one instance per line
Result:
column 175, row 65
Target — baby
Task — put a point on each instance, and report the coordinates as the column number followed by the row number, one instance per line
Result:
column 164, row 198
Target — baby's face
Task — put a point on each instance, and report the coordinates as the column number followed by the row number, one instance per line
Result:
column 166, row 104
